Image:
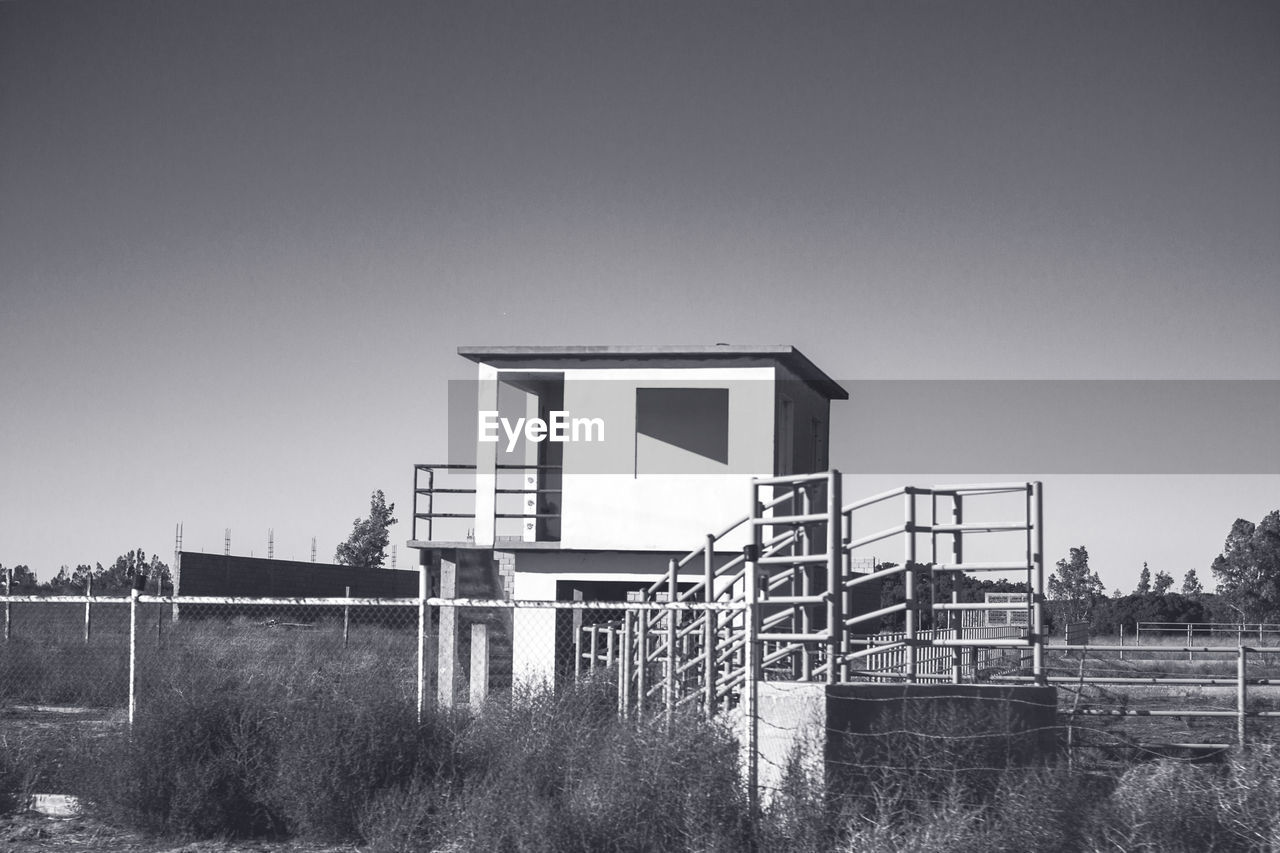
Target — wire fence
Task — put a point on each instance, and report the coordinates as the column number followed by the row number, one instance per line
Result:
column 121, row 655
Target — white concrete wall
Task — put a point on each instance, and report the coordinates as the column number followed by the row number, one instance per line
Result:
column 607, row 505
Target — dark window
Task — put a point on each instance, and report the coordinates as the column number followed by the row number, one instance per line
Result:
column 692, row 419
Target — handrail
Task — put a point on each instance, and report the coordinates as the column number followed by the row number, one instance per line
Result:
column 784, row 613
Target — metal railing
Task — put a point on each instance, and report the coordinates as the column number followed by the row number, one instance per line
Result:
column 790, row 605
column 1242, row 631
column 531, row 487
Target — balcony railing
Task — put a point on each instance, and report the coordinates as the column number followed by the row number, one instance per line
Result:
column 533, row 487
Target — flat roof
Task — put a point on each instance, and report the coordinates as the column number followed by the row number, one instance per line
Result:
column 545, row 356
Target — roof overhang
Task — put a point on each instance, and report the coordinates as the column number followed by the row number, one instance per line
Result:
column 561, row 357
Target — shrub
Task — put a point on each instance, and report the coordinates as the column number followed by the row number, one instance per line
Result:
column 196, row 764
column 559, row 772
column 337, row 753
column 16, row 777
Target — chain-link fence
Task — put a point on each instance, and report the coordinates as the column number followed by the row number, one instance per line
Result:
column 118, row 654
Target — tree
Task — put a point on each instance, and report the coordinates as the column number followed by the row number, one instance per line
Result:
column 369, row 536
column 1074, row 587
column 1191, row 584
column 80, row 577
column 22, row 581
column 1248, row 569
column 1163, row 581
column 60, row 584
column 1110, row 614
column 1144, row 581
column 117, row 578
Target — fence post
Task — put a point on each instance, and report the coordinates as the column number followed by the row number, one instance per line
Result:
column 139, row 583
column 835, row 578
column 909, row 583
column 423, row 628
column 709, row 627
column 1190, row 640
column 624, row 666
column 1037, row 607
column 1241, row 666
column 673, row 595
column 346, row 616
column 751, row 656
column 8, row 591
column 88, row 619
column 479, row 664
column 159, row 609
column 642, row 643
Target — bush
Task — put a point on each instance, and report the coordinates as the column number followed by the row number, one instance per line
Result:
column 16, row 776
column 559, row 772
column 196, row 764
column 336, row 753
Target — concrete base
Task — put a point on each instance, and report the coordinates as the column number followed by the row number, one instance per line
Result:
column 845, row 736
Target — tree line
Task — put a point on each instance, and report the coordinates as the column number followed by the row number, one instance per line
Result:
column 1247, row 573
column 113, row 579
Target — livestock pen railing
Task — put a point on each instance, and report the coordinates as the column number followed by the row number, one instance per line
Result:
column 795, row 605
column 1261, row 633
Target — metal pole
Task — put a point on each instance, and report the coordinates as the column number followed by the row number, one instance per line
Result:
column 346, row 618
column 423, row 627
column 957, row 550
column 1241, row 666
column 577, row 646
column 642, row 643
column 8, row 591
column 431, row 502
column 133, row 652
column 1037, row 610
column 751, row 657
column 801, row 620
column 836, row 633
column 88, row 620
column 909, row 581
column 709, row 629
column 624, row 670
column 673, row 595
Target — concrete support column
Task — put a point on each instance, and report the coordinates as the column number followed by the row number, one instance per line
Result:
column 479, row 663
column 447, row 644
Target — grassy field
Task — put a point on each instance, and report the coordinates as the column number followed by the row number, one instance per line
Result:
column 251, row 729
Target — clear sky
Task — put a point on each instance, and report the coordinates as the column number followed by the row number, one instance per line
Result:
column 240, row 241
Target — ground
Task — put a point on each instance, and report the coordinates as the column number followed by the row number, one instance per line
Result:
column 28, row 833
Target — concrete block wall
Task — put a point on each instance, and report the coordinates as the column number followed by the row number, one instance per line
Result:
column 838, row 734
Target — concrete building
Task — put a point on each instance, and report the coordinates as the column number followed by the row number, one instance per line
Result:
column 593, row 466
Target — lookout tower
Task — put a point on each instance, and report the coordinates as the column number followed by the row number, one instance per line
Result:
column 578, row 472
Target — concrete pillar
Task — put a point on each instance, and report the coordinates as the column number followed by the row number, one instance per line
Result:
column 479, row 663
column 447, row 643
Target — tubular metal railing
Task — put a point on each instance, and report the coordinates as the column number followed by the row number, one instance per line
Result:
column 790, row 605
column 425, row 492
